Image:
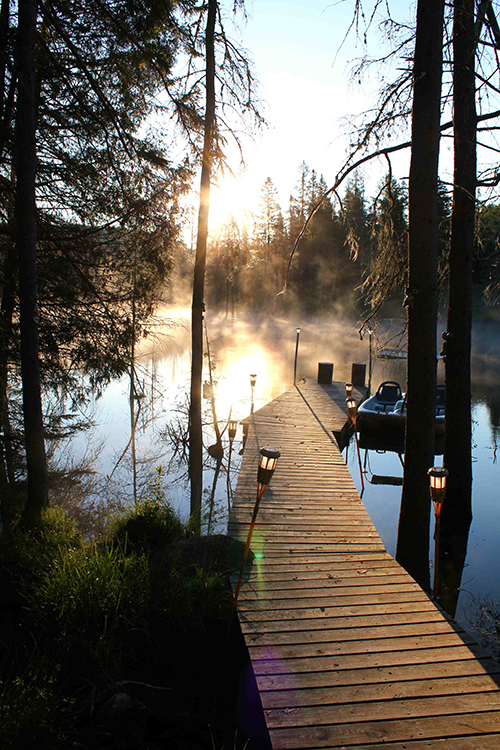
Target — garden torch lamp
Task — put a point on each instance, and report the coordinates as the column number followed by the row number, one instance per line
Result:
column 351, row 413
column 348, row 390
column 438, row 477
column 232, row 427
column 351, row 409
column 267, row 465
column 253, row 380
column 297, row 331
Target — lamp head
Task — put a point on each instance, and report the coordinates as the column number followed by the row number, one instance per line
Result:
column 253, row 380
column 267, row 465
column 348, row 390
column 232, row 427
column 438, row 477
column 351, row 408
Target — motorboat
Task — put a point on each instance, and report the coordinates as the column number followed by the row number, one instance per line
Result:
column 379, row 410
column 386, row 409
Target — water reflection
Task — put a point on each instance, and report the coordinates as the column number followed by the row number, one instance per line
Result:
column 440, row 576
column 468, row 559
column 464, row 557
column 450, row 551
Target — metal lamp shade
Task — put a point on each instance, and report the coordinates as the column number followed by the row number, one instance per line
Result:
column 267, row 465
column 351, row 407
column 233, row 425
column 348, row 390
column 438, row 477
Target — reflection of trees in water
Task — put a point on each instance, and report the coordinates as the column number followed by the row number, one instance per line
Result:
column 452, row 551
column 450, row 544
column 486, row 374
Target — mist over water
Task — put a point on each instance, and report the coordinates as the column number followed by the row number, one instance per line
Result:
column 266, row 346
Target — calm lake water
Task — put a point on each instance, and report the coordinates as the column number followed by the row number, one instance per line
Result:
column 266, row 347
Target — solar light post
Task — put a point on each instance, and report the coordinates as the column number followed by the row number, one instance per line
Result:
column 232, row 426
column 351, row 409
column 253, row 380
column 348, row 390
column 267, row 465
column 298, row 330
column 351, row 413
column 438, row 477
column 370, row 367
column 245, row 436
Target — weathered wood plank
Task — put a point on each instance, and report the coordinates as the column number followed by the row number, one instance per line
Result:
column 252, row 603
column 377, row 710
column 342, row 634
column 255, row 613
column 268, row 655
column 389, row 691
column 285, row 631
column 317, row 665
column 363, row 675
column 346, row 571
column 383, row 732
column 327, row 582
column 483, row 742
column 334, row 592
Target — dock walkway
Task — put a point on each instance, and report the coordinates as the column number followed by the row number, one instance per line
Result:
column 347, row 650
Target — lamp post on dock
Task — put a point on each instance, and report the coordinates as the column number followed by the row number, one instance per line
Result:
column 438, row 477
column 232, row 426
column 351, row 409
column 267, row 465
column 253, row 380
column 351, row 413
column 348, row 390
column 298, row 330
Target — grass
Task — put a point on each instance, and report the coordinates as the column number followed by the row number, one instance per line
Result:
column 94, row 636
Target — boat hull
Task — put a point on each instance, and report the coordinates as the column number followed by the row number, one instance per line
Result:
column 389, row 418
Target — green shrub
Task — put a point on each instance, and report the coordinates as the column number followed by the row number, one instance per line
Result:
column 189, row 601
column 151, row 524
column 90, row 597
column 34, row 548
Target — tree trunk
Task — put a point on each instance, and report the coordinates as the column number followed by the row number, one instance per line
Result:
column 458, row 435
column 26, row 248
column 413, row 535
column 7, row 475
column 195, row 423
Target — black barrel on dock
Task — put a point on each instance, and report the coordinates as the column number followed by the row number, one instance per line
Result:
column 358, row 375
column 325, row 373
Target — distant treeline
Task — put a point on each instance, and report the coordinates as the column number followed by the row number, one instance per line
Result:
column 352, row 257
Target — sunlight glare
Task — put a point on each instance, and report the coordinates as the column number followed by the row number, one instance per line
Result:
column 234, row 391
column 231, row 198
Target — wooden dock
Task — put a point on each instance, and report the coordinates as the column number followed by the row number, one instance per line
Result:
column 347, row 650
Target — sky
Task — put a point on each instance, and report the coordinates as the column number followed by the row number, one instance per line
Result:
column 302, row 64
